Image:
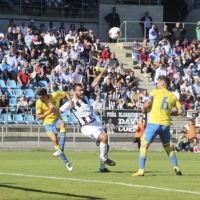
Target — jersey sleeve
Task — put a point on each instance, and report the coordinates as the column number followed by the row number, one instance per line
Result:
column 59, row 95
column 64, row 107
column 178, row 104
column 152, row 95
column 39, row 107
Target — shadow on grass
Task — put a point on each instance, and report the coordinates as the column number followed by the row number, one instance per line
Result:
column 48, row 192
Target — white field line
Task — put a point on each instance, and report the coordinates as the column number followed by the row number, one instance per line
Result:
column 101, row 182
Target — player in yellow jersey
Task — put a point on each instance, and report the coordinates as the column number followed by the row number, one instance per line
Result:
column 47, row 109
column 161, row 102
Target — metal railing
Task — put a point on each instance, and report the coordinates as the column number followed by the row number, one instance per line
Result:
column 139, row 2
column 129, row 34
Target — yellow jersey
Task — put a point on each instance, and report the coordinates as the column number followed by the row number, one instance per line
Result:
column 42, row 108
column 163, row 102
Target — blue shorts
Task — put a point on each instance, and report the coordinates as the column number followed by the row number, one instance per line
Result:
column 152, row 130
column 52, row 127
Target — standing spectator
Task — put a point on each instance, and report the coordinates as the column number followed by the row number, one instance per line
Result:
column 98, row 47
column 145, row 23
column 136, row 49
column 24, row 79
column 23, row 28
column 90, row 74
column 82, row 29
column 110, row 103
column 165, row 33
column 106, row 53
column 4, row 104
column 114, row 20
column 91, row 37
column 38, row 69
column 144, row 56
column 98, row 105
column 63, row 31
column 153, row 36
column 29, row 38
column 19, row 44
column 107, row 87
column 178, row 33
column 55, row 80
column 33, row 27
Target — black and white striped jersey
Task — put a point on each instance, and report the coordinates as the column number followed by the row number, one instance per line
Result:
column 81, row 110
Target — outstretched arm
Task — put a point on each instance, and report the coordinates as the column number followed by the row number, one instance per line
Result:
column 98, row 78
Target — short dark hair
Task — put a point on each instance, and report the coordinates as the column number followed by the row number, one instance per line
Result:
column 42, row 92
column 166, row 79
column 76, row 85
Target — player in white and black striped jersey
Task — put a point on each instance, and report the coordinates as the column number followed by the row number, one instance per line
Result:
column 89, row 126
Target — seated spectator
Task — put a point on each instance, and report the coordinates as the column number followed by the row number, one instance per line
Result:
column 71, row 85
column 66, row 79
column 42, row 58
column 77, row 75
column 177, row 57
column 73, row 28
column 136, row 49
column 110, row 102
column 158, row 49
column 155, row 57
column 178, row 47
column 27, row 67
column 144, row 95
column 120, row 69
column 98, row 106
column 143, row 56
column 150, row 69
column 59, row 44
column 177, row 81
column 87, row 47
column 29, row 38
column 4, row 104
column 55, row 80
column 24, row 80
column 186, row 44
column 107, row 87
column 116, row 94
column 50, row 40
column 163, row 54
column 186, row 57
column 21, row 61
column 39, row 71
column 98, row 47
column 131, row 80
column 23, row 105
column 37, row 44
column 74, row 57
column 4, row 41
column 59, row 68
column 123, row 93
column 196, row 89
column 91, row 37
column 91, row 74
column 183, row 142
column 146, row 46
column 42, row 30
column 70, row 38
column 7, row 71
column 106, row 53
column 32, row 58
column 79, row 47
column 166, row 47
column 160, row 71
column 93, row 56
column 33, row 27
column 134, row 97
column 64, row 52
column 63, row 31
column 190, row 78
column 171, row 71
column 121, row 104
column 139, row 104
column 173, row 61
column 10, row 36
column 188, row 88
column 82, row 29
column 1, row 54
column 47, row 69
column 52, row 59
column 184, row 100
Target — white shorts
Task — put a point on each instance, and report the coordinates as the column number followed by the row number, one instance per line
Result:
column 92, row 130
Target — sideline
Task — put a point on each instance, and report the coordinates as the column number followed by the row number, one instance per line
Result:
column 102, row 182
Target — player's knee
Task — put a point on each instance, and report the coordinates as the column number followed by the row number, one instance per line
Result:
column 168, row 149
column 62, row 124
column 103, row 137
column 144, row 144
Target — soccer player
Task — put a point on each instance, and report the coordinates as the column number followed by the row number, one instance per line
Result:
column 161, row 102
column 47, row 109
column 89, row 126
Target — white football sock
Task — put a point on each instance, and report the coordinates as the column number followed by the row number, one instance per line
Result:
column 103, row 151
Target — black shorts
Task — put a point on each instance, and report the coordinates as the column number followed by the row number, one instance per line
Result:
column 136, row 140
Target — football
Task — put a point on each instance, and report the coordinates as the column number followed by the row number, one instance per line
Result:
column 115, row 33
column 135, row 127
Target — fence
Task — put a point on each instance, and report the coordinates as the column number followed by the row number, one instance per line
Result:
column 133, row 30
column 13, row 125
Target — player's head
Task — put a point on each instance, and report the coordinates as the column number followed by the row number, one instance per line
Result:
column 163, row 82
column 78, row 90
column 42, row 95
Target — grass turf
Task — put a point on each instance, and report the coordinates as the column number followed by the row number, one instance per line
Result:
column 159, row 173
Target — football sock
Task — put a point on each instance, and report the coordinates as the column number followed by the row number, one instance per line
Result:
column 103, row 151
column 62, row 138
column 57, row 147
column 143, row 155
column 63, row 157
column 171, row 154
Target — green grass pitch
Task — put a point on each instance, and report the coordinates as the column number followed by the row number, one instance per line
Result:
column 38, row 175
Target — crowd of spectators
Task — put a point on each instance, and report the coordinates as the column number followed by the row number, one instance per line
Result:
column 173, row 56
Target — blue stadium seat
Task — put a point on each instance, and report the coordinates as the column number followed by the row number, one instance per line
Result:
column 43, row 84
column 29, row 119
column 11, row 84
column 73, row 120
column 2, row 84
column 67, row 112
column 66, row 119
column 64, row 100
column 33, row 111
column 91, row 101
column 34, row 84
column 13, row 102
column 17, row 93
column 39, row 121
column 18, row 119
column 8, row 92
column 28, row 93
column 7, row 119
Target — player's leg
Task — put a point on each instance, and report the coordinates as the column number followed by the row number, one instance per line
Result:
column 147, row 138
column 62, row 127
column 165, row 138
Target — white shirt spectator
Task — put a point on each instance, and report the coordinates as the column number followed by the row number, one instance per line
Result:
column 74, row 54
column 79, row 47
column 49, row 38
column 59, row 69
column 160, row 72
column 28, row 38
column 69, row 38
column 23, row 30
column 187, row 88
